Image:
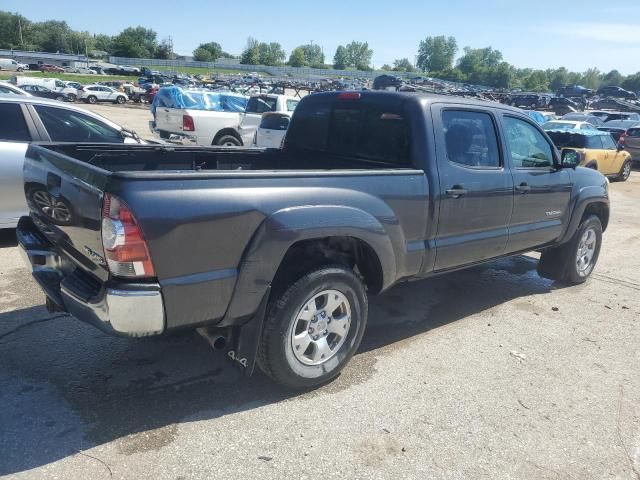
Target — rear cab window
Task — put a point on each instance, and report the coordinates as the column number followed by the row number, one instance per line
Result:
column 275, row 122
column 262, row 104
column 361, row 129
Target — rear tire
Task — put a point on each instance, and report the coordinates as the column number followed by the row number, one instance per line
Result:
column 71, row 97
column 92, row 99
column 120, row 100
column 314, row 328
column 574, row 261
column 228, row 141
column 60, row 98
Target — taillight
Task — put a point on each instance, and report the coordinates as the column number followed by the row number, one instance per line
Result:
column 349, row 96
column 187, row 123
column 123, row 242
column 622, row 138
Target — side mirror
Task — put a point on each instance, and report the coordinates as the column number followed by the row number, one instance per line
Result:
column 620, row 147
column 570, row 159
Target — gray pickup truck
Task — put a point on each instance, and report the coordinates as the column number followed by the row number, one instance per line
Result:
column 272, row 253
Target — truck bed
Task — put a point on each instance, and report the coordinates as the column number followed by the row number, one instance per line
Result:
column 153, row 158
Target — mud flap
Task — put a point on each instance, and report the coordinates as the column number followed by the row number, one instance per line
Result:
column 246, row 337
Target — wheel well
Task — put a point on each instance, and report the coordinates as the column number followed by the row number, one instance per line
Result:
column 598, row 209
column 226, row 131
column 307, row 255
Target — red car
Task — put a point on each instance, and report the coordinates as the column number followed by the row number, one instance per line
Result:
column 45, row 67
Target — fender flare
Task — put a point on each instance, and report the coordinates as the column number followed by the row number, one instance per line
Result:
column 281, row 230
column 586, row 196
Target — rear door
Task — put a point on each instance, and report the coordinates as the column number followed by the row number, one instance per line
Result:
column 476, row 190
column 541, row 191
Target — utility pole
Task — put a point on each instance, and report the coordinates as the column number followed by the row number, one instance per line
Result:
column 20, row 33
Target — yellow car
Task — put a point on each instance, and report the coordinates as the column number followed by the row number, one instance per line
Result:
column 596, row 149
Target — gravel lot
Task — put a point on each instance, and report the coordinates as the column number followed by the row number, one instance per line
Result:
column 488, row 373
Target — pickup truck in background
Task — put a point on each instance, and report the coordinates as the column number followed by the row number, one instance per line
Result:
column 272, row 253
column 221, row 127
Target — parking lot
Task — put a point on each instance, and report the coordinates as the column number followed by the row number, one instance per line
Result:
column 491, row 372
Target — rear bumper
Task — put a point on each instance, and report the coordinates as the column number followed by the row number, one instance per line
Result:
column 127, row 309
column 176, row 138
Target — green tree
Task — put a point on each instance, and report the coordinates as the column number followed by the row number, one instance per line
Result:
column 558, row 78
column 251, row 53
column 403, row 65
column 341, row 58
column 537, row 81
column 313, row 54
column 632, row 82
column 436, row 53
column 591, row 78
column 11, row 27
column 214, row 49
column 359, row 55
column 135, row 42
column 52, row 36
column 202, row 55
column 103, row 43
column 297, row 58
column 165, row 50
column 614, row 77
column 386, row 67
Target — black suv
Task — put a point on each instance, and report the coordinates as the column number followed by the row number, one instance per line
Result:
column 616, row 92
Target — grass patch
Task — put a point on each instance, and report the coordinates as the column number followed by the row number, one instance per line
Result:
column 200, row 70
column 70, row 77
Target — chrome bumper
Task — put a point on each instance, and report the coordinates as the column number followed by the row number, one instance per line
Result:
column 127, row 309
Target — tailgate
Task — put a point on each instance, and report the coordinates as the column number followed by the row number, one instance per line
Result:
column 170, row 119
column 64, row 196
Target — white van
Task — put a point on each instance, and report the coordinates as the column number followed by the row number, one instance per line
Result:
column 10, row 65
column 51, row 83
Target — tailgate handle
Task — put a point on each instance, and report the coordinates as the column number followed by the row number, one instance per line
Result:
column 456, row 191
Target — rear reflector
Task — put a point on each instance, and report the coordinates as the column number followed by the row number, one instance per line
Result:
column 349, row 96
column 187, row 124
column 124, row 245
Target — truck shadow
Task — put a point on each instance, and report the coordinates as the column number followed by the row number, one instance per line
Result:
column 67, row 387
column 8, row 237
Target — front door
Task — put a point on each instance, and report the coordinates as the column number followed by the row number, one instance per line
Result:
column 541, row 190
column 614, row 157
column 476, row 190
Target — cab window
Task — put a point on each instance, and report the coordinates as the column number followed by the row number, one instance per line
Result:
column 470, row 138
column 70, row 126
column 13, row 128
column 528, row 147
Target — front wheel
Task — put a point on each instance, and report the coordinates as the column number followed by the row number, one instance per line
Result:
column 313, row 329
column 92, row 99
column 574, row 262
column 60, row 98
column 72, row 97
column 120, row 100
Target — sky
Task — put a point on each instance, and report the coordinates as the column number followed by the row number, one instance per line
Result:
column 577, row 34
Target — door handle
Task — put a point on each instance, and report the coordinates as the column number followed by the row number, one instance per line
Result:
column 523, row 187
column 456, row 192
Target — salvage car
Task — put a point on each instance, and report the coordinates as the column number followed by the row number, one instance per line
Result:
column 568, row 125
column 272, row 129
column 101, row 93
column 29, row 119
column 9, row 88
column 575, row 91
column 595, row 149
column 583, row 117
column 618, row 128
column 272, row 253
column 44, row 92
column 616, row 92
